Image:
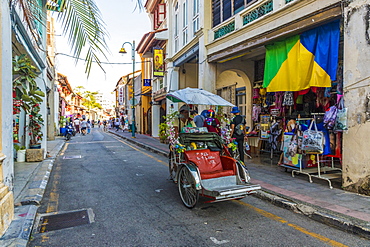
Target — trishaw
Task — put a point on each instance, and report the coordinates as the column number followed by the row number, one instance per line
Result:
column 201, row 165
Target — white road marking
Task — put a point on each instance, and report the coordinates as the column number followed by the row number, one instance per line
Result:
column 214, row 240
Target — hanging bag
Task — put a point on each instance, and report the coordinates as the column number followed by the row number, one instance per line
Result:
column 341, row 120
column 313, row 140
column 293, row 146
column 330, row 117
column 288, row 99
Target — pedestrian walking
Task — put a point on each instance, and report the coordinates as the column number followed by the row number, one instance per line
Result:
column 125, row 126
column 238, row 130
column 76, row 124
column 105, row 122
column 88, row 126
column 92, row 123
column 116, row 124
column 83, row 126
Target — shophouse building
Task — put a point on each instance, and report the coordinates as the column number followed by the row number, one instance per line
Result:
column 6, row 109
column 128, row 92
column 65, row 92
column 52, row 95
column 184, row 56
column 227, row 47
column 153, row 51
column 19, row 37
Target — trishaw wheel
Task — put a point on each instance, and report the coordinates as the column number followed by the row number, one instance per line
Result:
column 188, row 192
column 172, row 166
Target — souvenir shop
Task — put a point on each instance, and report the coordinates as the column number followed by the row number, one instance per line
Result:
column 300, row 122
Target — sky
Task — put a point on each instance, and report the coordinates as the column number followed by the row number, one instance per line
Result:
column 124, row 23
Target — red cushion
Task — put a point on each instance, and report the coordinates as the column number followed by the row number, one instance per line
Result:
column 217, row 174
column 209, row 163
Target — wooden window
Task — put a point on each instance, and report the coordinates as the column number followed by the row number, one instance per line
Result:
column 159, row 15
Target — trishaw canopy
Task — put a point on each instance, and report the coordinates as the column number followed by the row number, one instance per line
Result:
column 197, row 96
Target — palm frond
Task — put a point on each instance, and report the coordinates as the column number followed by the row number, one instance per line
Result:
column 84, row 27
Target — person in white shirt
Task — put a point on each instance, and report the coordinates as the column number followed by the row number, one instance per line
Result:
column 83, row 126
column 117, row 123
column 76, row 124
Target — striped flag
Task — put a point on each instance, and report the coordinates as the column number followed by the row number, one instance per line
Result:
column 303, row 61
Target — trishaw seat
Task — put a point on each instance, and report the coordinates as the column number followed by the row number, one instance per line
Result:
column 211, row 164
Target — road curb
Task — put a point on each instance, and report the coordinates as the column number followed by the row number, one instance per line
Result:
column 19, row 231
column 337, row 220
column 142, row 145
column 37, row 187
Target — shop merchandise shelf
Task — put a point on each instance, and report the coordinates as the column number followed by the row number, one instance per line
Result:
column 321, row 172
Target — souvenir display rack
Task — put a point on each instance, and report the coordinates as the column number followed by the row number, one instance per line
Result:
column 310, row 104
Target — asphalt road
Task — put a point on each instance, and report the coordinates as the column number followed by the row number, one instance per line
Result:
column 135, row 204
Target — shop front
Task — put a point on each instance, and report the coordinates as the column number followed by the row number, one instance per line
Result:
column 285, row 86
column 299, row 93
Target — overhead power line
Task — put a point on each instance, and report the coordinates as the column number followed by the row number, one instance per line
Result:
column 67, row 55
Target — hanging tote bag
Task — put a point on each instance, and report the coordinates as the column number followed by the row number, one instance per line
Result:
column 313, row 140
column 341, row 120
column 293, row 146
column 330, row 117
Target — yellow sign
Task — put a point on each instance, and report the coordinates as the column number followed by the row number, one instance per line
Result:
column 158, row 69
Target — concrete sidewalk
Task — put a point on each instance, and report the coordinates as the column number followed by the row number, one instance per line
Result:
column 336, row 207
column 30, row 180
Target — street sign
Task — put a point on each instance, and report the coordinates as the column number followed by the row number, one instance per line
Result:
column 133, row 101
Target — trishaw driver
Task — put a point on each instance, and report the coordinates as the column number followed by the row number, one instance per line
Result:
column 184, row 120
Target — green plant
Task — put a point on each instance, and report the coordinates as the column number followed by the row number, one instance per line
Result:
column 62, row 121
column 27, row 95
column 18, row 147
column 163, row 131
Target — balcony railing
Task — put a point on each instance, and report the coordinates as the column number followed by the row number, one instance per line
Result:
column 228, row 28
column 258, row 12
column 251, row 13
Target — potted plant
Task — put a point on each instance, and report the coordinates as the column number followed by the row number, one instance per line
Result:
column 163, row 132
column 28, row 96
column 62, row 125
column 34, row 126
column 21, row 153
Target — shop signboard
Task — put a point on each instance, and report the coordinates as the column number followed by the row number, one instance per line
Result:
column 120, row 96
column 158, row 70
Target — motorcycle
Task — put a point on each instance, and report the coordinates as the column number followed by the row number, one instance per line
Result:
column 69, row 132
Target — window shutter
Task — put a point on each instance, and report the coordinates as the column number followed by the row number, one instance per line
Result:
column 238, row 6
column 216, row 11
column 226, row 9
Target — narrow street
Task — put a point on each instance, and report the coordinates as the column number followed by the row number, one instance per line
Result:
column 135, row 204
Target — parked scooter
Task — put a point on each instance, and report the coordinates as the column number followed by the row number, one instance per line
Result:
column 69, row 132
